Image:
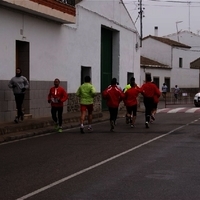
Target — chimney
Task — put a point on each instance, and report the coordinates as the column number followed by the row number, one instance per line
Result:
column 155, row 31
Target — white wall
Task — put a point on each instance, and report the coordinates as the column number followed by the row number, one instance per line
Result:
column 157, row 51
column 59, row 51
column 163, row 53
column 47, row 60
column 155, row 72
column 184, row 77
column 87, row 48
column 114, row 10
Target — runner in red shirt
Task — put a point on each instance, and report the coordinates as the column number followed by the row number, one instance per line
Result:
column 113, row 96
column 130, row 101
column 56, row 97
column 149, row 90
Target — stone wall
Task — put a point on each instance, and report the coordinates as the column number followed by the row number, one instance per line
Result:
column 36, row 105
column 73, row 104
column 35, row 102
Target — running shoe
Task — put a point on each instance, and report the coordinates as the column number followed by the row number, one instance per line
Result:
column 60, row 129
column 112, row 126
column 16, row 120
column 132, row 125
column 90, row 129
column 147, row 124
column 56, row 126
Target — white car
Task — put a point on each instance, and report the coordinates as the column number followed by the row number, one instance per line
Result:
column 197, row 99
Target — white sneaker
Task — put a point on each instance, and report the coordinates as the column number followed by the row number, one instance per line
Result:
column 90, row 129
column 147, row 124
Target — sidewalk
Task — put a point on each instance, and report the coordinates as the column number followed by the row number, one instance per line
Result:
column 10, row 131
column 31, row 127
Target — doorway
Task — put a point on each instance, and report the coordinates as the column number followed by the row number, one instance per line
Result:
column 22, row 61
column 106, row 60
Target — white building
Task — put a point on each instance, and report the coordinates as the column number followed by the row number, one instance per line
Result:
column 176, row 56
column 100, row 40
column 193, row 40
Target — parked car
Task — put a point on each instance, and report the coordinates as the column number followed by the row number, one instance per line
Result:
column 197, row 99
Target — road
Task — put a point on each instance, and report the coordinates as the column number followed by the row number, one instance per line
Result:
column 159, row 163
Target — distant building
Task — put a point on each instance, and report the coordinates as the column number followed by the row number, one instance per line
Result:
column 174, row 58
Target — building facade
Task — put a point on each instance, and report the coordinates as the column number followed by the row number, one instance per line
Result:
column 96, row 39
column 176, row 56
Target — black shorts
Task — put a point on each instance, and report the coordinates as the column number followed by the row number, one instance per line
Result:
column 132, row 110
column 155, row 105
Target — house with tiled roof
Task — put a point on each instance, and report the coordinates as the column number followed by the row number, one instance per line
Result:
column 186, row 37
column 173, row 54
column 149, row 66
column 193, row 40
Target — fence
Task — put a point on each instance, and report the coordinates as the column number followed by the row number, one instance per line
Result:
column 182, row 98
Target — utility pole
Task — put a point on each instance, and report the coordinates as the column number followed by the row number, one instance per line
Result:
column 140, row 13
column 189, row 3
column 141, row 16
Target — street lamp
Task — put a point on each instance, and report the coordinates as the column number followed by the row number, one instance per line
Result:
column 177, row 29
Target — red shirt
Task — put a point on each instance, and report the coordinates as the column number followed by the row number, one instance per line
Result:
column 156, row 98
column 149, row 89
column 113, row 96
column 131, row 95
column 57, row 96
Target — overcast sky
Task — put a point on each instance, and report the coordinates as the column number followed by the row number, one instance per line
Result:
column 167, row 15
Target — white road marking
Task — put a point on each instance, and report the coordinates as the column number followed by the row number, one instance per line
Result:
column 100, row 163
column 175, row 110
column 161, row 110
column 192, row 110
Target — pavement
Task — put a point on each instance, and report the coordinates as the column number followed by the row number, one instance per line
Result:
column 30, row 127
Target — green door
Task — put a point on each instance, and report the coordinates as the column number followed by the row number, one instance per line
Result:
column 106, row 61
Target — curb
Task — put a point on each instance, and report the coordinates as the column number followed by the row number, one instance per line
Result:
column 8, row 134
column 44, row 128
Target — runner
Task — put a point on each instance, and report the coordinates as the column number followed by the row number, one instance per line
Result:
column 130, row 101
column 113, row 96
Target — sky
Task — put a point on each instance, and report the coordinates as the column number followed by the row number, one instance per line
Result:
column 169, row 16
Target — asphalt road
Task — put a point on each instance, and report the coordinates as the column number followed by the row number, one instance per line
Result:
column 159, row 163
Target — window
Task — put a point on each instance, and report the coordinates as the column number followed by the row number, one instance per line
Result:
column 167, row 81
column 156, row 81
column 129, row 75
column 180, row 62
column 146, row 75
column 85, row 71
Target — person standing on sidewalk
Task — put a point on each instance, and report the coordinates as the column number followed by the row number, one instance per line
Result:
column 86, row 92
column 176, row 92
column 149, row 90
column 113, row 96
column 164, row 90
column 130, row 101
column 56, row 97
column 19, row 84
